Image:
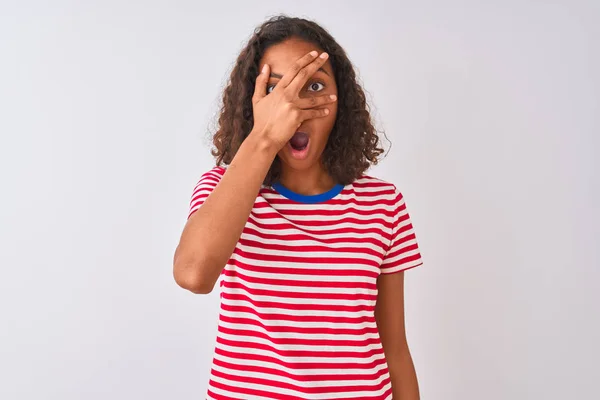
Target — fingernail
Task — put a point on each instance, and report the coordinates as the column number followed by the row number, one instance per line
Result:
column 324, row 55
column 264, row 69
column 327, row 111
column 314, row 53
column 333, row 96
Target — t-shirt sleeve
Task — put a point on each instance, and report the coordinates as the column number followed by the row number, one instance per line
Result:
column 206, row 184
column 403, row 252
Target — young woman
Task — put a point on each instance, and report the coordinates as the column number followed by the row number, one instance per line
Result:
column 311, row 251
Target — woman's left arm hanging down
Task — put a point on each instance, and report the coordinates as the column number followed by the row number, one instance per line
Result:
column 389, row 313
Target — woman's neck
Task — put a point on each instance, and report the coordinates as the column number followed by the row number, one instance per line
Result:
column 307, row 182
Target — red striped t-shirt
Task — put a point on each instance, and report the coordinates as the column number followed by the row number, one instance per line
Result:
column 298, row 293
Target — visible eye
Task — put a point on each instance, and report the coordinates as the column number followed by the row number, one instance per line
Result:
column 314, row 87
column 270, row 88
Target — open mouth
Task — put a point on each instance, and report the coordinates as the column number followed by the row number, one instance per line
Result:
column 299, row 141
column 299, row 145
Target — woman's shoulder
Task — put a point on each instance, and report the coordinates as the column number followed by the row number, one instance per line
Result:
column 374, row 189
column 374, row 183
column 216, row 172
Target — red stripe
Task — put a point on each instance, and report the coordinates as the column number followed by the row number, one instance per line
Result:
column 340, row 376
column 299, row 295
column 297, row 329
column 402, row 261
column 292, row 283
column 221, row 397
column 401, row 250
column 305, row 259
column 251, row 392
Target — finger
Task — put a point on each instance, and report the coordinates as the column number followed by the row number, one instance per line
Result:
column 305, row 73
column 260, row 87
column 297, row 67
column 314, row 102
column 313, row 113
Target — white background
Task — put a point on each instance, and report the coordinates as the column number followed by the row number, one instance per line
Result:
column 493, row 109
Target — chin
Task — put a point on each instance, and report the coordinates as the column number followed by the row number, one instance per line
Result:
column 298, row 165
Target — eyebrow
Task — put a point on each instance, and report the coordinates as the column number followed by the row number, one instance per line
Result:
column 274, row 75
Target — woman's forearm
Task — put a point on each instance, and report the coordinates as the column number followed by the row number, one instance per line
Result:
column 403, row 375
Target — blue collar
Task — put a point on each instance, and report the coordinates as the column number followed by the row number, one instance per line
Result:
column 301, row 198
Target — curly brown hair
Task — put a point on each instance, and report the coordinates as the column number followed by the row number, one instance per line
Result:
column 353, row 144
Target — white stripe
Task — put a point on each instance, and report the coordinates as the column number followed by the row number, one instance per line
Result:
column 336, row 212
column 303, row 371
column 400, row 256
column 295, row 300
column 294, row 335
column 321, row 264
column 297, row 360
column 316, row 396
column 308, row 384
column 299, row 289
column 282, row 240
column 233, row 394
column 324, row 253
column 402, row 267
column 349, row 278
column 282, row 233
column 317, row 348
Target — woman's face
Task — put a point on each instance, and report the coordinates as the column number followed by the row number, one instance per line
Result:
column 280, row 58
